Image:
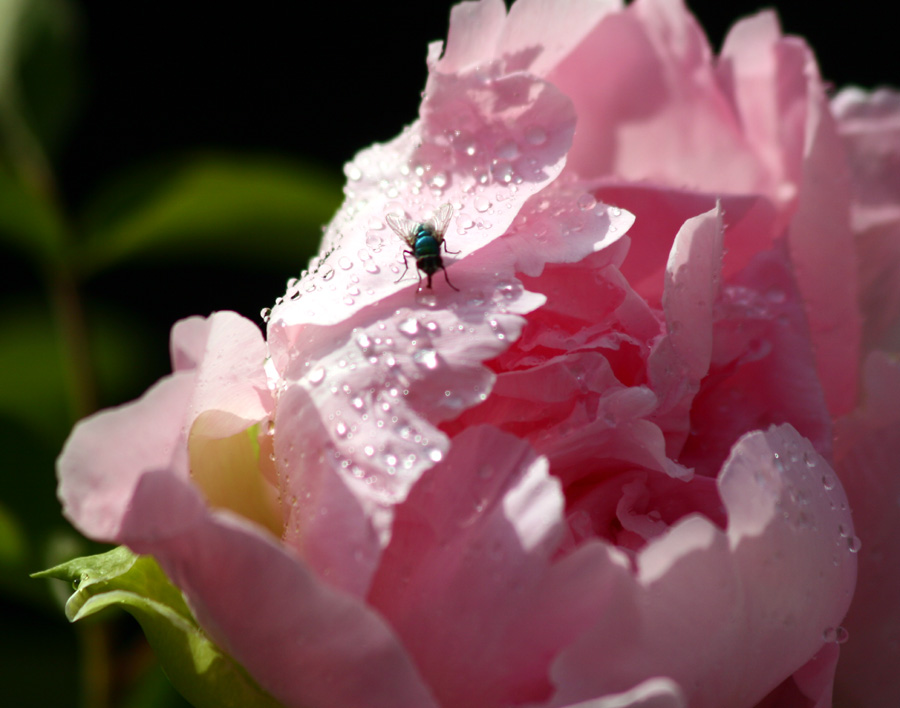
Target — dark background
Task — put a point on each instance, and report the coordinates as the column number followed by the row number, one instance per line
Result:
column 312, row 82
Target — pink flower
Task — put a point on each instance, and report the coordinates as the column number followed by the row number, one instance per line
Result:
column 603, row 472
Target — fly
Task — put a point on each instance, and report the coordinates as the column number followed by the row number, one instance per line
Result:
column 424, row 240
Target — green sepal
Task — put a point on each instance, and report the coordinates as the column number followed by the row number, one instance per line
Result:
column 201, row 671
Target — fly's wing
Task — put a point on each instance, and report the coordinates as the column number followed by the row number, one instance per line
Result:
column 403, row 227
column 440, row 220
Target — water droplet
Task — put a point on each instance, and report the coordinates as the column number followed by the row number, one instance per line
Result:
column 482, row 204
column 853, row 544
column 363, row 341
column 265, row 313
column 369, row 450
column 439, row 180
column 340, row 429
column 435, row 455
column 427, row 358
column 328, row 274
column 536, row 135
column 835, row 635
column 508, row 150
column 353, row 172
column 828, row 482
column 357, row 403
column 345, row 263
column 316, row 375
column 409, row 326
column 586, row 202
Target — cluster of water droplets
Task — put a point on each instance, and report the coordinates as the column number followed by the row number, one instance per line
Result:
column 811, row 477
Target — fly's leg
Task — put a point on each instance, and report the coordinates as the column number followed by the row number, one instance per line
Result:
column 405, row 263
column 446, row 277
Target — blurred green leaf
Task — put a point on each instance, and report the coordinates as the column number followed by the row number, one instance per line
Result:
column 29, row 221
column 32, row 375
column 33, row 365
column 258, row 209
column 39, row 74
column 203, row 674
column 12, row 539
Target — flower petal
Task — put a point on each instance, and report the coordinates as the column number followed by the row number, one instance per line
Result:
column 473, row 547
column 305, row 643
column 712, row 591
column 869, row 124
column 867, row 449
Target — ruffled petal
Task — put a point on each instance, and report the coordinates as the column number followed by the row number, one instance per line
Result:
column 867, row 451
column 712, row 591
column 305, row 643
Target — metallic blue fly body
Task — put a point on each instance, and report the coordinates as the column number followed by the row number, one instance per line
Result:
column 424, row 240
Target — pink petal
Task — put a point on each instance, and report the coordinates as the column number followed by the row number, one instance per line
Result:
column 811, row 685
column 227, row 352
column 106, row 454
column 823, row 254
column 383, row 366
column 867, row 450
column 472, row 549
column 710, row 590
column 681, row 358
column 650, row 107
column 652, row 693
column 220, row 381
column 762, row 370
column 304, row 642
column 557, row 28
column 475, row 29
column 869, row 124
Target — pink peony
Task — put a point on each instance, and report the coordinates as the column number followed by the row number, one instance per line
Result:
column 604, row 471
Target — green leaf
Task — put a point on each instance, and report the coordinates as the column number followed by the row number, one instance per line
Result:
column 35, row 372
column 202, row 672
column 260, row 209
column 29, row 220
column 39, row 74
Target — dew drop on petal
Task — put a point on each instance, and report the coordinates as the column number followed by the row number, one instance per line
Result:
column 853, row 544
column 345, row 263
column 536, row 135
column 482, row 204
column 586, row 202
column 427, row 358
column 316, row 375
column 409, row 326
column 435, row 455
column 835, row 635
